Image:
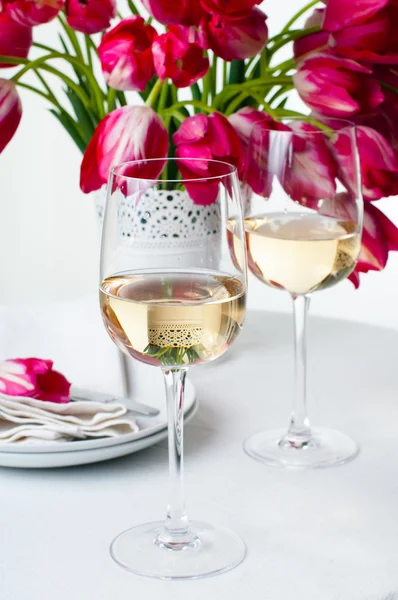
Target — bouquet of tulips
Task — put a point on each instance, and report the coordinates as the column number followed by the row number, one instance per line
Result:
column 202, row 72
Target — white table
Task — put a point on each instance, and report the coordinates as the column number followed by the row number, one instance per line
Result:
column 327, row 534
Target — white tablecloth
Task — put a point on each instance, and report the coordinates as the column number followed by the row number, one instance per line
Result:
column 329, row 534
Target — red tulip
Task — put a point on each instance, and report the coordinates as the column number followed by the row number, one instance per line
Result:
column 239, row 38
column 15, row 40
column 10, row 111
column 378, row 161
column 183, row 62
column 35, row 378
column 337, row 87
column 127, row 133
column 30, row 13
column 206, row 138
column 344, row 13
column 230, row 9
column 175, row 12
column 90, row 16
column 379, row 237
column 126, row 54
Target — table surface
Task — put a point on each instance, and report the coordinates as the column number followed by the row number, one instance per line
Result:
column 329, row 534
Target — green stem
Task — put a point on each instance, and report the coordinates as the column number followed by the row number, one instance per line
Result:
column 43, row 47
column 283, row 67
column 235, row 103
column 132, row 7
column 88, row 52
column 263, row 62
column 224, row 73
column 291, row 36
column 163, row 95
column 298, row 15
column 214, row 77
column 195, row 103
column 72, row 37
column 155, row 91
column 98, row 94
column 206, row 87
column 111, row 99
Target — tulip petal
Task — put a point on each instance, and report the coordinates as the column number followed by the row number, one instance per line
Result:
column 15, row 39
column 342, row 13
column 10, row 111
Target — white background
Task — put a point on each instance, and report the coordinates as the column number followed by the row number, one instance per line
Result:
column 48, row 229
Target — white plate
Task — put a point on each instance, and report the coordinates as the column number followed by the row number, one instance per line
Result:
column 148, row 427
column 47, row 460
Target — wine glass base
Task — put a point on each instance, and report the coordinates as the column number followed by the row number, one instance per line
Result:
column 326, row 448
column 216, row 551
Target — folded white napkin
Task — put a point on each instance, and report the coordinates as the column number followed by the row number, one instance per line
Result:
column 27, row 420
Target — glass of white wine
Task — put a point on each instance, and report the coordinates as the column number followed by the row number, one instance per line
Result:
column 303, row 223
column 172, row 296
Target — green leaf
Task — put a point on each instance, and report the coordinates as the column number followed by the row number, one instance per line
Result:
column 71, row 127
column 86, row 120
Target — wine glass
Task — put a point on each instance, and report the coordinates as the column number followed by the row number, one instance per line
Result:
column 173, row 296
column 303, row 223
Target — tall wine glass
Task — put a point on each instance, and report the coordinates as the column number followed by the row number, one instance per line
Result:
column 303, row 225
column 173, row 296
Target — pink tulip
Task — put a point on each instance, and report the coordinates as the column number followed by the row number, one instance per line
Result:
column 10, row 111
column 90, row 16
column 312, row 168
column 30, row 13
column 182, row 62
column 379, row 237
column 379, row 163
column 35, row 378
column 230, row 9
column 15, row 40
column 253, row 126
column 337, row 87
column 317, row 41
column 206, row 138
column 239, row 38
column 374, row 41
column 344, row 13
column 127, row 133
column 175, row 12
column 126, row 54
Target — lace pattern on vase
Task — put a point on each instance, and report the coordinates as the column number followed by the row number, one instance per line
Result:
column 167, row 219
column 179, row 335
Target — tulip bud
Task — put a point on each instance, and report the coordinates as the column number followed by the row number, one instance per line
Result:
column 15, row 40
column 183, row 62
column 126, row 54
column 90, row 16
column 239, row 38
column 337, row 87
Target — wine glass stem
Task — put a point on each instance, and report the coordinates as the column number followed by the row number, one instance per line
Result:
column 177, row 533
column 299, row 431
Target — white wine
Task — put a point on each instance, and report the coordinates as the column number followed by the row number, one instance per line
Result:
column 173, row 319
column 301, row 252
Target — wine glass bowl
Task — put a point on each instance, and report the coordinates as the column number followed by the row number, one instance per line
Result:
column 172, row 295
column 303, row 224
